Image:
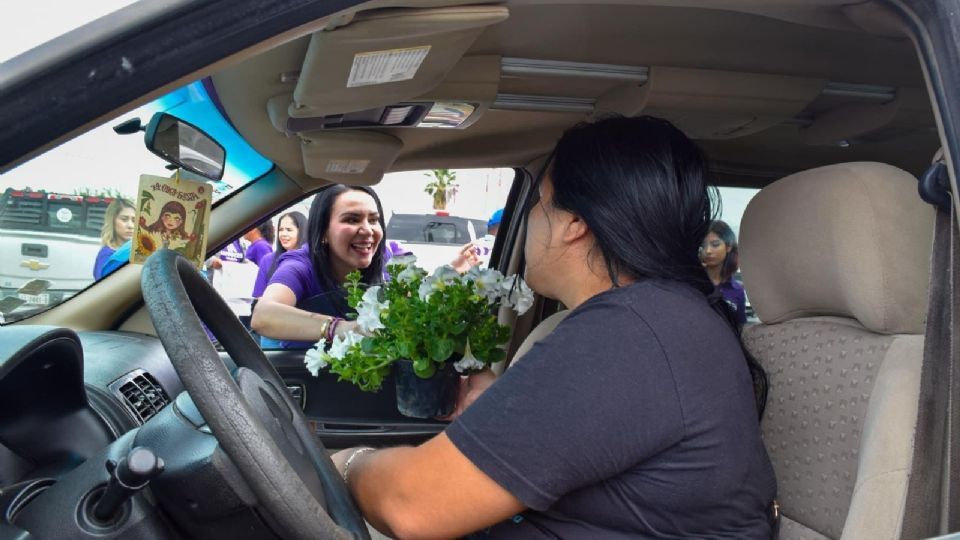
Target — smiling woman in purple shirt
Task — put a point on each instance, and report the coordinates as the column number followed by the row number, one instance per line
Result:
column 721, row 258
column 305, row 300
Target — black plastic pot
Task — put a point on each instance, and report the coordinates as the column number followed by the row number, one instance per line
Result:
column 426, row 398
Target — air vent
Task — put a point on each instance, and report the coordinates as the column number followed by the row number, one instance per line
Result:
column 141, row 393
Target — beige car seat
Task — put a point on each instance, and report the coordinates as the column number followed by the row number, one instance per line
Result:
column 836, row 263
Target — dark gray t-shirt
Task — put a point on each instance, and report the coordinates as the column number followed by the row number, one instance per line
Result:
column 635, row 418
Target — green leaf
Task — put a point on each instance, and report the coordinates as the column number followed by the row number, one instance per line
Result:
column 441, row 348
column 424, row 370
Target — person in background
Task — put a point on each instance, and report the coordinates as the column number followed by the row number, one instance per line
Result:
column 260, row 239
column 119, row 222
column 477, row 253
column 721, row 259
column 304, row 299
column 622, row 422
column 291, row 234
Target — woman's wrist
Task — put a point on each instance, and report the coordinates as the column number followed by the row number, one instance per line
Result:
column 351, row 462
column 331, row 329
column 324, row 326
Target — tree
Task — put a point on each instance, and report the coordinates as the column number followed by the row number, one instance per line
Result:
column 442, row 187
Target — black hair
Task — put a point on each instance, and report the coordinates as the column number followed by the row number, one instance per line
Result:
column 267, row 231
column 300, row 222
column 731, row 263
column 317, row 224
column 641, row 187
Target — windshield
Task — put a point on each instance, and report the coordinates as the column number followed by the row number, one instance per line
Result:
column 57, row 226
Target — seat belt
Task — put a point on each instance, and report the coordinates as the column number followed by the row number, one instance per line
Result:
column 933, row 489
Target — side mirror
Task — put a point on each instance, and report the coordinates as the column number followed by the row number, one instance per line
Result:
column 185, row 145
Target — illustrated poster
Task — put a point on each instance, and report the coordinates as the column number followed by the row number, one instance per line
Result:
column 173, row 213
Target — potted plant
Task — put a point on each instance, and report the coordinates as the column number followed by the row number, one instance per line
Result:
column 429, row 329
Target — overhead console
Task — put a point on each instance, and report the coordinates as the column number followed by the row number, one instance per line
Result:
column 388, row 68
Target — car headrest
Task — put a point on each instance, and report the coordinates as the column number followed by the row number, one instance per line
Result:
column 851, row 240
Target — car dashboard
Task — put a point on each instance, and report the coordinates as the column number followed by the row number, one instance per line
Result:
column 66, row 397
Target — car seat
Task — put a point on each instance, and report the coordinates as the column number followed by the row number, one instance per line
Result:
column 836, row 262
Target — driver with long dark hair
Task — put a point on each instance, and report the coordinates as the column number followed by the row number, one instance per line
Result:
column 637, row 417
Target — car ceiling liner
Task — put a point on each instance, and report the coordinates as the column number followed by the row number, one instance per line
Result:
column 366, row 72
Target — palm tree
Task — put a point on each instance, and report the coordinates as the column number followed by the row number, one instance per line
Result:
column 442, row 187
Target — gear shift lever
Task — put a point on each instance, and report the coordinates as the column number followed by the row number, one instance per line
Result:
column 128, row 476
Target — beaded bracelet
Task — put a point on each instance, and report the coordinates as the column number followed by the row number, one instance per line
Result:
column 332, row 328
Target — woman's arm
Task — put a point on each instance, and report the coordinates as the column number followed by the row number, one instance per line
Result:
column 277, row 317
column 431, row 491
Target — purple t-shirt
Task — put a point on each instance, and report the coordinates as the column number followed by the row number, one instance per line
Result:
column 734, row 295
column 233, row 252
column 296, row 272
column 102, row 257
column 260, row 284
column 258, row 250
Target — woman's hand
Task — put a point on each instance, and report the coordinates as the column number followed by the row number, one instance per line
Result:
column 466, row 258
column 344, row 327
column 471, row 387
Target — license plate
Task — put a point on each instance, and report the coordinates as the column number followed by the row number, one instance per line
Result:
column 35, row 299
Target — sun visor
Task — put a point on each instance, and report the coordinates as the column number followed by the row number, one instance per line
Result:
column 711, row 104
column 457, row 102
column 386, row 56
column 349, row 157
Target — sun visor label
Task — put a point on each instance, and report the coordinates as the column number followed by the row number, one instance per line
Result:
column 347, row 166
column 381, row 67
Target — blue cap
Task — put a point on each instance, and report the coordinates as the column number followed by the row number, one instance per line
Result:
column 495, row 218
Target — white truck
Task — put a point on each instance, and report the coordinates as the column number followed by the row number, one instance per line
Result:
column 434, row 238
column 48, row 244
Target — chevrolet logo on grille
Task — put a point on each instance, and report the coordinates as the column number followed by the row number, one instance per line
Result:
column 34, row 264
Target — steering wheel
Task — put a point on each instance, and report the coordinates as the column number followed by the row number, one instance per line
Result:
column 251, row 414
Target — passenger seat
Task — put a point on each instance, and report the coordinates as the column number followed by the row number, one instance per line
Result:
column 836, row 262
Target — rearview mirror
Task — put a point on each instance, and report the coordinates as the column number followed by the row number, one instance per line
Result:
column 185, row 145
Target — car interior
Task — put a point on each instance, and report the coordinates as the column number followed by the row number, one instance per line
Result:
column 823, row 105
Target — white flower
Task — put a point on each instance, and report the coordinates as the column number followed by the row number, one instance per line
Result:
column 368, row 316
column 405, row 260
column 369, row 309
column 427, row 286
column 446, row 275
column 519, row 298
column 486, row 281
column 371, row 295
column 409, row 274
column 468, row 362
column 314, row 358
column 342, row 345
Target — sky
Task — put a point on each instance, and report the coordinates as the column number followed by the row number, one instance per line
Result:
column 25, row 25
